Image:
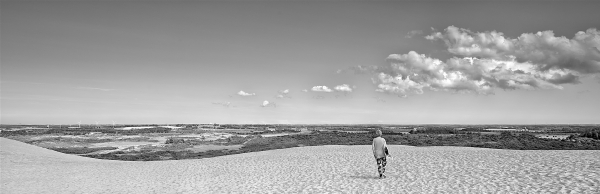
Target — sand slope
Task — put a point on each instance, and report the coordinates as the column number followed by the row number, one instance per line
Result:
column 338, row 169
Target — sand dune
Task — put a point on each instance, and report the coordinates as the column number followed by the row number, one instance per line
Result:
column 338, row 169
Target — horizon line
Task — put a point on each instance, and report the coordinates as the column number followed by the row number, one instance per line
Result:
column 303, row 124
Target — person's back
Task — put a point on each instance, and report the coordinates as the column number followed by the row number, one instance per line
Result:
column 380, row 152
column 379, row 146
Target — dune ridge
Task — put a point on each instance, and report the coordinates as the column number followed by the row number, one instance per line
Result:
column 338, row 169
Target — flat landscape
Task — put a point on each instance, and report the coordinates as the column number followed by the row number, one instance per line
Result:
column 157, row 143
column 314, row 169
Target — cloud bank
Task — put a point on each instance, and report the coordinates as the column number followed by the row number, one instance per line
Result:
column 321, row 89
column 242, row 93
column 343, row 88
column 580, row 54
column 485, row 61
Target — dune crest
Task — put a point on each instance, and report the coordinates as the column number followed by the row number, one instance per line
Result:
column 26, row 153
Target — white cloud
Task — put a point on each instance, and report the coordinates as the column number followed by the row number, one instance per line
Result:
column 580, row 54
column 392, row 84
column 283, row 94
column 413, row 33
column 321, row 89
column 343, row 88
column 268, row 104
column 413, row 72
column 305, row 90
column 485, row 61
column 242, row 93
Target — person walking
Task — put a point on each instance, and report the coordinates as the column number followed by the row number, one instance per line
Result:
column 380, row 152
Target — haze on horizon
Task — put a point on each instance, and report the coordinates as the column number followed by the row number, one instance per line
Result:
column 281, row 62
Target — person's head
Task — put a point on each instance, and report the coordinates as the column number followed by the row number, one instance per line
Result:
column 378, row 132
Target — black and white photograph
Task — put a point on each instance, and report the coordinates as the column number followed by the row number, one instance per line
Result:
column 299, row 96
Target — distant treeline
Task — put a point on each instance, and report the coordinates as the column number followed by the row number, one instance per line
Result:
column 67, row 131
column 592, row 134
column 449, row 130
column 416, row 129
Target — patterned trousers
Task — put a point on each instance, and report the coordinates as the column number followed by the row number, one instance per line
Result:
column 381, row 165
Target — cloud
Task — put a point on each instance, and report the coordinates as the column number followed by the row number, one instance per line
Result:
column 283, row 94
column 484, row 61
column 413, row 72
column 268, row 104
column 343, row 88
column 580, row 54
column 321, row 89
column 242, row 93
column 413, row 33
column 305, row 90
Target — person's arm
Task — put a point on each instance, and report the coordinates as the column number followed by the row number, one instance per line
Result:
column 385, row 148
column 373, row 148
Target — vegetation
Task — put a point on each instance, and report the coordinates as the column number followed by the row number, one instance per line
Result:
column 505, row 140
column 595, row 134
column 582, row 137
column 69, row 139
column 83, row 131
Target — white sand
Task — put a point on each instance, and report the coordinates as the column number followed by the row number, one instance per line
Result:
column 338, row 169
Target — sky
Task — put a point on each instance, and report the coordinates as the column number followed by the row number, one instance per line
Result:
column 300, row 62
